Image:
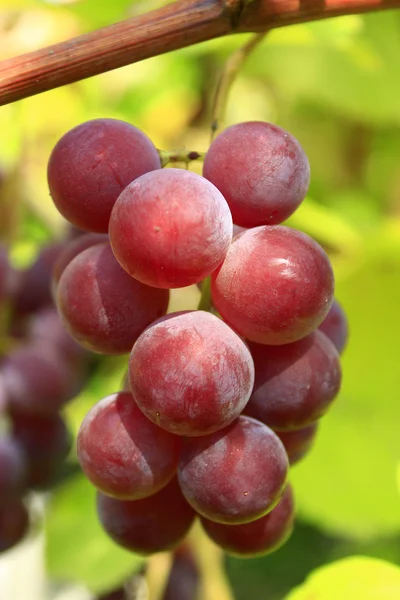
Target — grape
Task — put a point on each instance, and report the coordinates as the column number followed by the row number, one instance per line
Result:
column 335, row 326
column 235, row 475
column 37, row 379
column 261, row 170
column 260, row 537
column 73, row 248
column 91, row 165
column 12, row 468
column 295, row 383
column 104, row 308
column 298, row 442
column 190, row 373
column 33, row 287
column 123, row 453
column 14, row 523
column 153, row 524
column 275, row 285
column 184, row 577
column 170, row 228
column 45, row 328
column 45, row 441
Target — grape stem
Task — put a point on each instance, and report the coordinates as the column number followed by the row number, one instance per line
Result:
column 177, row 25
column 180, row 156
column 227, row 78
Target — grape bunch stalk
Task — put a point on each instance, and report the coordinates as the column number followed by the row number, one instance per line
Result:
column 218, row 403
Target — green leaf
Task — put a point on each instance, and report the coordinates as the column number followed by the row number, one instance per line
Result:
column 354, row 578
column 77, row 547
column 348, row 484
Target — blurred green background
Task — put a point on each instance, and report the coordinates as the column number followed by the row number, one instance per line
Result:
column 335, row 85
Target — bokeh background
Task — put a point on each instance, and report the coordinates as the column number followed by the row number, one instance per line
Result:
column 335, row 85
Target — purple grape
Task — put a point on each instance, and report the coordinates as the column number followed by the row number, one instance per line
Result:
column 14, row 523
column 153, row 524
column 235, row 475
column 294, row 383
column 12, row 469
column 335, row 326
column 260, row 537
column 298, row 442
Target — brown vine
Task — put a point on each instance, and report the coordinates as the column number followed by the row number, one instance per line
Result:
column 181, row 24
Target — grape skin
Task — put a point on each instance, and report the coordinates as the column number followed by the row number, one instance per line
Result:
column 298, row 442
column 294, row 383
column 45, row 442
column 91, row 165
column 12, row 468
column 14, row 523
column 275, row 285
column 335, row 326
column 261, row 170
column 170, row 228
column 101, row 306
column 72, row 249
column 123, row 453
column 235, row 475
column 260, row 537
column 190, row 373
column 153, row 524
column 37, row 379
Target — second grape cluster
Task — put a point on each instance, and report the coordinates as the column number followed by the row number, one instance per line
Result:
column 217, row 402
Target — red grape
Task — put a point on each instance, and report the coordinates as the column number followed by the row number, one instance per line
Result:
column 275, row 285
column 153, row 524
column 123, row 453
column 14, row 523
column 262, row 536
column 104, row 308
column 73, row 248
column 298, row 442
column 37, row 379
column 12, row 468
column 33, row 285
column 261, row 170
column 335, row 326
column 190, row 373
column 91, row 165
column 184, row 577
column 45, row 441
column 170, row 228
column 295, row 383
column 235, row 475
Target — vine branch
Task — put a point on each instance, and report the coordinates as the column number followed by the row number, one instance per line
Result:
column 181, row 24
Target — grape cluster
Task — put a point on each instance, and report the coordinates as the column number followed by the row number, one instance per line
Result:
column 218, row 403
column 41, row 368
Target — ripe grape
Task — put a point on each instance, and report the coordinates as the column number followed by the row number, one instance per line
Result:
column 153, row 524
column 261, row 170
column 37, row 379
column 14, row 523
column 335, row 326
column 294, row 383
column 33, row 285
column 298, row 442
column 235, row 475
column 275, row 285
column 12, row 468
column 104, row 308
column 170, row 228
column 184, row 577
column 45, row 442
column 91, row 165
column 190, row 373
column 260, row 537
column 73, row 248
column 123, row 453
